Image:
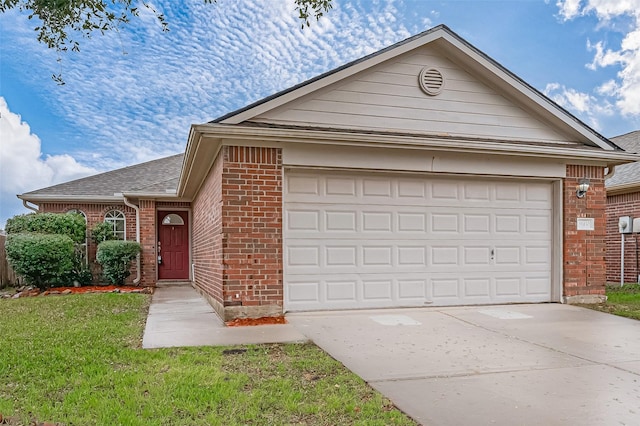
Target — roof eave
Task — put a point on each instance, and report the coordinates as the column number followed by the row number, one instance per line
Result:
column 200, row 154
column 335, row 137
column 625, row 188
column 44, row 198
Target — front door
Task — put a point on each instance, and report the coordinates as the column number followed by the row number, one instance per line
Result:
column 173, row 245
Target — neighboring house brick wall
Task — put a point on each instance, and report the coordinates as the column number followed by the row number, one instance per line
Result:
column 584, row 251
column 237, row 233
column 617, row 206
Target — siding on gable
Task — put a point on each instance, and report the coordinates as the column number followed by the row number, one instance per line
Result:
column 388, row 98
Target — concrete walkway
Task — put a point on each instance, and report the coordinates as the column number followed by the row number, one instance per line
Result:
column 180, row 316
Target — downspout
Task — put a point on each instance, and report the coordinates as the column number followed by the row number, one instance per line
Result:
column 611, row 170
column 136, row 281
column 25, row 203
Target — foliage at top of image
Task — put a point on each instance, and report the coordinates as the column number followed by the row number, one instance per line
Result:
column 70, row 224
column 61, row 23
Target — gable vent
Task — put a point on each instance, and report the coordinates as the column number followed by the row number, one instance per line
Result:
column 431, row 81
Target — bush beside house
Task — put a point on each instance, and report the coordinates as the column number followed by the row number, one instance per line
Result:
column 115, row 258
column 49, row 249
column 42, row 259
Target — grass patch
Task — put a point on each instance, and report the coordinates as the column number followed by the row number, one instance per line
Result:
column 623, row 301
column 77, row 360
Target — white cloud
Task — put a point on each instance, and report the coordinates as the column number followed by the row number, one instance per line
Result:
column 622, row 16
column 23, row 166
column 127, row 108
column 584, row 104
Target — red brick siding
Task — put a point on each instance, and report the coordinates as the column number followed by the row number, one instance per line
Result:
column 617, row 206
column 207, row 233
column 584, row 251
column 252, row 226
column 148, row 241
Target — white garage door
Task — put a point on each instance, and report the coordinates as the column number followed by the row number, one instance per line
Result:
column 374, row 240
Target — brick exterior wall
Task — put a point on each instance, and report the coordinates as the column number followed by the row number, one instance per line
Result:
column 207, row 237
column 238, row 233
column 148, row 260
column 617, row 206
column 584, row 251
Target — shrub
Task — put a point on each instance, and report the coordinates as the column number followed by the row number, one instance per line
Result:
column 80, row 273
column 41, row 259
column 102, row 231
column 71, row 224
column 115, row 258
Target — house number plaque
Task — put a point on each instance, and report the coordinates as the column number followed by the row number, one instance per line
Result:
column 586, row 224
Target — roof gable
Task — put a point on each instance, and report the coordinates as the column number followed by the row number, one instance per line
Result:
column 380, row 93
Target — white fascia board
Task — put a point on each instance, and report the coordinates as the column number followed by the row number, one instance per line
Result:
column 541, row 100
column 623, row 188
column 43, row 198
column 198, row 160
column 414, row 142
column 159, row 196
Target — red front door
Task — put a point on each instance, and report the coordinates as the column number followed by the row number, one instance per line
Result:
column 173, row 245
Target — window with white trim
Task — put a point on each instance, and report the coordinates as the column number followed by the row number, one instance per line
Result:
column 118, row 222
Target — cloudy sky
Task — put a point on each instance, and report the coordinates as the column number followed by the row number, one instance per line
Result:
column 131, row 95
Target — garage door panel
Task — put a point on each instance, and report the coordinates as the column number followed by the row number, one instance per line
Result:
column 447, row 192
column 413, row 222
column 373, row 240
column 336, row 256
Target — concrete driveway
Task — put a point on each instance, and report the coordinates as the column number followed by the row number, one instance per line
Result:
column 545, row 364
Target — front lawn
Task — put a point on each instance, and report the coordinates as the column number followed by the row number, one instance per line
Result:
column 623, row 301
column 77, row 360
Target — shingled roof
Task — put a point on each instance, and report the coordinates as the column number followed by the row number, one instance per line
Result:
column 626, row 174
column 157, row 176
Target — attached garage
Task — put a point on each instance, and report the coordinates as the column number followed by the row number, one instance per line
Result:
column 368, row 240
column 424, row 174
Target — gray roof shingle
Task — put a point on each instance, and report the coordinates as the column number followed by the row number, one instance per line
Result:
column 156, row 176
column 626, row 173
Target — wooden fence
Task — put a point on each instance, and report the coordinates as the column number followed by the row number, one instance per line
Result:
column 7, row 275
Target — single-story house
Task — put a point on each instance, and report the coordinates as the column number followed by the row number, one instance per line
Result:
column 623, row 200
column 425, row 174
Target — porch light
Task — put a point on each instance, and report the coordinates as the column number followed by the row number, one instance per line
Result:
column 582, row 188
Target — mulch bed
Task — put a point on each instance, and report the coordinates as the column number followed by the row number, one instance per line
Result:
column 32, row 292
column 99, row 289
column 242, row 322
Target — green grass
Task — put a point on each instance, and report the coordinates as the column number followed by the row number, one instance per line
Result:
column 623, row 301
column 77, row 360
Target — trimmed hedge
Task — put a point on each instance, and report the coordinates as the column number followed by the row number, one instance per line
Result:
column 70, row 224
column 115, row 258
column 42, row 259
column 102, row 231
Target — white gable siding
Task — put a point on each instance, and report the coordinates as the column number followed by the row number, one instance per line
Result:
column 388, row 98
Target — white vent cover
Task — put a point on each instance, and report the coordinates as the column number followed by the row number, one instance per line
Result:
column 431, row 81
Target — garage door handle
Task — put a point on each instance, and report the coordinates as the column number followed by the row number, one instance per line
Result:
column 493, row 252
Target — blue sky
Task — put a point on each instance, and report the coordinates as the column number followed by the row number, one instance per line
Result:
column 131, row 95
